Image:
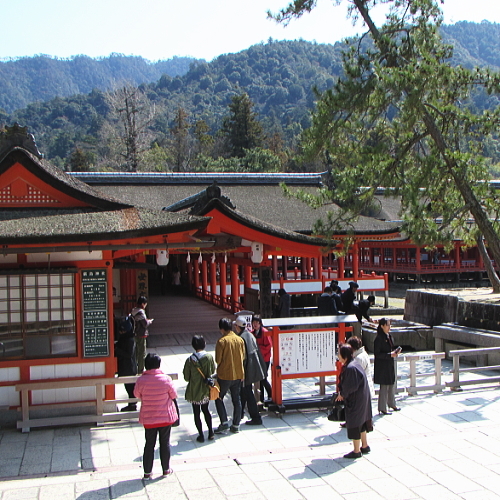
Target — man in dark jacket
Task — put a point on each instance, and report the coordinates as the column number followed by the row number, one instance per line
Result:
column 349, row 296
column 255, row 371
column 125, row 354
column 363, row 307
column 326, row 304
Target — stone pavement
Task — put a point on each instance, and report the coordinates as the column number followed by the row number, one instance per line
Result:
column 444, row 446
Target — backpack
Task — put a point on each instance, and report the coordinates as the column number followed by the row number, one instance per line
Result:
column 127, row 324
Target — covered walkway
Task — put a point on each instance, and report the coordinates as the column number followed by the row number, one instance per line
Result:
column 178, row 316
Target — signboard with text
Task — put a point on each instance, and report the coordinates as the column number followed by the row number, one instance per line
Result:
column 95, row 313
column 307, row 352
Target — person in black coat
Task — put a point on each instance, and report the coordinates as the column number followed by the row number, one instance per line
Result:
column 349, row 296
column 326, row 304
column 384, row 370
column 126, row 361
column 354, row 390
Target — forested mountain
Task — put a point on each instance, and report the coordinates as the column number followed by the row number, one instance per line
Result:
column 180, row 120
column 40, row 78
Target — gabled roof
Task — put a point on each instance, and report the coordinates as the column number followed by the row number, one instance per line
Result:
column 41, row 205
column 41, row 184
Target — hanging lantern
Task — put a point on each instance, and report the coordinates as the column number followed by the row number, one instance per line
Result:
column 162, row 257
column 225, row 257
column 213, row 258
column 188, row 258
column 200, row 259
column 257, row 252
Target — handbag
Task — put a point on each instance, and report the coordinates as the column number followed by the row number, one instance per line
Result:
column 214, row 391
column 337, row 412
column 178, row 421
column 213, row 386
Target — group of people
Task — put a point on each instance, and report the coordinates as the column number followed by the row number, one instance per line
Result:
column 334, row 301
column 356, row 388
column 242, row 358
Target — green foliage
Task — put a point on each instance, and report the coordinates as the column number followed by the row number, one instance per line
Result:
column 241, row 128
column 40, row 78
column 254, row 160
column 396, row 119
column 278, row 77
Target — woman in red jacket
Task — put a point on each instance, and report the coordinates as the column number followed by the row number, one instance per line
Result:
column 265, row 345
column 157, row 413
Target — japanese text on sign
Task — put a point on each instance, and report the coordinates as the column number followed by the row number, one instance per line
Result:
column 95, row 313
column 307, row 352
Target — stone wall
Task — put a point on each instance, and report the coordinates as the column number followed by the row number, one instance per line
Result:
column 430, row 308
column 435, row 308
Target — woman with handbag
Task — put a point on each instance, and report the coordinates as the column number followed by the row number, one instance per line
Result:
column 384, row 369
column 354, row 391
column 198, row 368
column 158, row 412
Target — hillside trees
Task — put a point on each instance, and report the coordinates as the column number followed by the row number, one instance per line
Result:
column 134, row 113
column 241, row 127
column 396, row 120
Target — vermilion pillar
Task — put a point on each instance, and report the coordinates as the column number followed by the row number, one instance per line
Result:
column 204, row 277
column 275, row 268
column 247, row 277
column 213, row 281
column 340, row 267
column 223, row 282
column 196, row 266
column 190, row 275
column 355, row 261
column 235, row 287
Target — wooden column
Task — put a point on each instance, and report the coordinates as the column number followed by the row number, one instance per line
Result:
column 223, row 282
column 355, row 261
column 189, row 266
column 265, row 280
column 235, row 287
column 196, row 271
column 303, row 268
column 284, row 266
column 213, row 282
column 275, row 268
column 247, row 276
column 340, row 267
column 204, row 278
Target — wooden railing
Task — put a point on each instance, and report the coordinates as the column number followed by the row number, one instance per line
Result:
column 98, row 417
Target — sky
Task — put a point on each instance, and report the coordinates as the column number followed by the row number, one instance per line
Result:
column 162, row 29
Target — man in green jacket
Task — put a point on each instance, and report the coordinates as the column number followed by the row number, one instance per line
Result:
column 229, row 356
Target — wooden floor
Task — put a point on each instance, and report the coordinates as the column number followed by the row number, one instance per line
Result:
column 178, row 316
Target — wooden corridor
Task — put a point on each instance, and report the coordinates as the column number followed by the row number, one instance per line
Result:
column 179, row 316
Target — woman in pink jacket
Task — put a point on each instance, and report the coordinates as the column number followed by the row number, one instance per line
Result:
column 157, row 414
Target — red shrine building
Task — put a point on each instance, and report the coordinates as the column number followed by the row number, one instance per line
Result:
column 77, row 250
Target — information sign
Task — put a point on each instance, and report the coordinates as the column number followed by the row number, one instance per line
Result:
column 307, row 352
column 95, row 313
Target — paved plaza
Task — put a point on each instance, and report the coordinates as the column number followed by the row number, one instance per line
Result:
column 440, row 446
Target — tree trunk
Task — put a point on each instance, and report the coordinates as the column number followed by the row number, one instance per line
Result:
column 488, row 264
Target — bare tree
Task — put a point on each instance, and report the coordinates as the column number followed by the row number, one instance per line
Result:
column 134, row 114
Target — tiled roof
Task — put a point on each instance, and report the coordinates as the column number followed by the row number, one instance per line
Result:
column 262, row 202
column 95, row 225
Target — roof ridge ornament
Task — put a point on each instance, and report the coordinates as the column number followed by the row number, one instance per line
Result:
column 17, row 136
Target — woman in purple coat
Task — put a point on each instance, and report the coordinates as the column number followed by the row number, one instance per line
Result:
column 354, row 390
column 157, row 413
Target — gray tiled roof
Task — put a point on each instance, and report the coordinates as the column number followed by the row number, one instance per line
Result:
column 84, row 226
column 262, row 202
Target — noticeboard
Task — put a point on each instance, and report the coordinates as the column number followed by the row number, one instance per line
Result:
column 95, row 313
column 307, row 352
